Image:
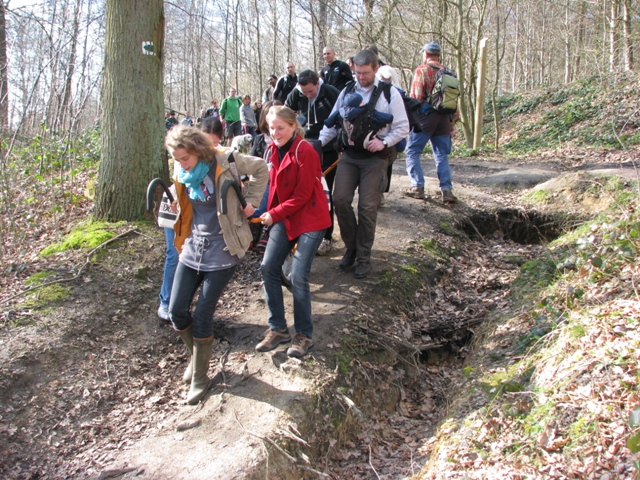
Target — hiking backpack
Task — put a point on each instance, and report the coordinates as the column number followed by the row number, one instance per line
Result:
column 446, row 91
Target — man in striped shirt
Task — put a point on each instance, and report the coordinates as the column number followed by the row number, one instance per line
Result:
column 436, row 128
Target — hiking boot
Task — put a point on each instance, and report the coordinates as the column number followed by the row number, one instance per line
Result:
column 300, row 346
column 448, row 197
column 415, row 192
column 362, row 269
column 272, row 339
column 200, row 382
column 324, row 248
column 187, row 337
column 348, row 259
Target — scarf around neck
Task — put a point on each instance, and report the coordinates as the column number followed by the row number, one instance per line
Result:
column 193, row 179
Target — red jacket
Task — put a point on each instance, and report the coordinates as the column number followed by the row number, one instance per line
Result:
column 295, row 190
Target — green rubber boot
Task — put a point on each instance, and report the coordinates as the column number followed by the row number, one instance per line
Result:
column 187, row 338
column 202, row 350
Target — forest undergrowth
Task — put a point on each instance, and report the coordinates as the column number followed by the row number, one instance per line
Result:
column 548, row 388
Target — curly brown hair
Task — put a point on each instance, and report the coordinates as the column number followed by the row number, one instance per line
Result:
column 192, row 139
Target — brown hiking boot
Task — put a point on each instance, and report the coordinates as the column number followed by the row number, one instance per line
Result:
column 300, row 346
column 448, row 197
column 273, row 338
column 415, row 192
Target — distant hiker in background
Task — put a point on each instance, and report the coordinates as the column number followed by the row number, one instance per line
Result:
column 248, row 117
column 170, row 120
column 268, row 93
column 286, row 83
column 335, row 72
column 213, row 110
column 188, row 120
column 436, row 128
column 257, row 110
column 230, row 114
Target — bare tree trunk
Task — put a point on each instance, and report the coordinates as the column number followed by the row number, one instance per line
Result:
column 64, row 108
column 626, row 33
column 581, row 35
column 613, row 35
column 132, row 127
column 260, row 76
column 4, row 80
column 290, row 33
column 516, row 46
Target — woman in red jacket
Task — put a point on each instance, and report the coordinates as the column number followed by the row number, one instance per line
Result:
column 297, row 212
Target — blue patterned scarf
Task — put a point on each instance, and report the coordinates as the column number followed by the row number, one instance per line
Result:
column 193, row 179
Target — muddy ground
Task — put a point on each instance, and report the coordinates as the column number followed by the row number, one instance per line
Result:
column 90, row 386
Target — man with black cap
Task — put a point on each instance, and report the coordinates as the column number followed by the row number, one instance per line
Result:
column 436, row 128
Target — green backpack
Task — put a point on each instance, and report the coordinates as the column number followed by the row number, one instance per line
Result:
column 446, row 91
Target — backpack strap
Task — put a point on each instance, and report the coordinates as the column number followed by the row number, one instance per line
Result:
column 375, row 95
column 234, row 169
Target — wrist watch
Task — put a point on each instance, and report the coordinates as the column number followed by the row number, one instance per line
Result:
column 384, row 142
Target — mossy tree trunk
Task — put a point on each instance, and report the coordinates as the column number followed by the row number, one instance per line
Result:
column 132, row 102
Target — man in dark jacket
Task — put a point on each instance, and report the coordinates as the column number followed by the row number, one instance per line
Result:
column 313, row 100
column 286, row 84
column 336, row 72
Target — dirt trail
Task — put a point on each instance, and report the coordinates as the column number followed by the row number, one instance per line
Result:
column 93, row 385
column 279, row 389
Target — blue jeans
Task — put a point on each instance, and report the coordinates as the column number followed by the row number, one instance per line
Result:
column 186, row 284
column 170, row 264
column 441, row 146
column 278, row 247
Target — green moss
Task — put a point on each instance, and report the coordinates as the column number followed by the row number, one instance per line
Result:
column 535, row 197
column 37, row 278
column 343, row 364
column 447, row 229
column 46, row 295
column 576, row 331
column 87, row 235
column 535, row 275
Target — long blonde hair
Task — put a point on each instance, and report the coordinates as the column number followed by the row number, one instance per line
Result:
column 286, row 115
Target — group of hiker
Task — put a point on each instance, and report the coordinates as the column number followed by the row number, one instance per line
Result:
column 307, row 122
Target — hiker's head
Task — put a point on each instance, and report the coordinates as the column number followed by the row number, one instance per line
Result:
column 246, row 99
column 187, row 145
column 432, row 49
column 366, row 66
column 212, row 126
column 373, row 48
column 272, row 80
column 263, row 126
column 309, row 83
column 291, row 68
column 329, row 55
column 283, row 125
